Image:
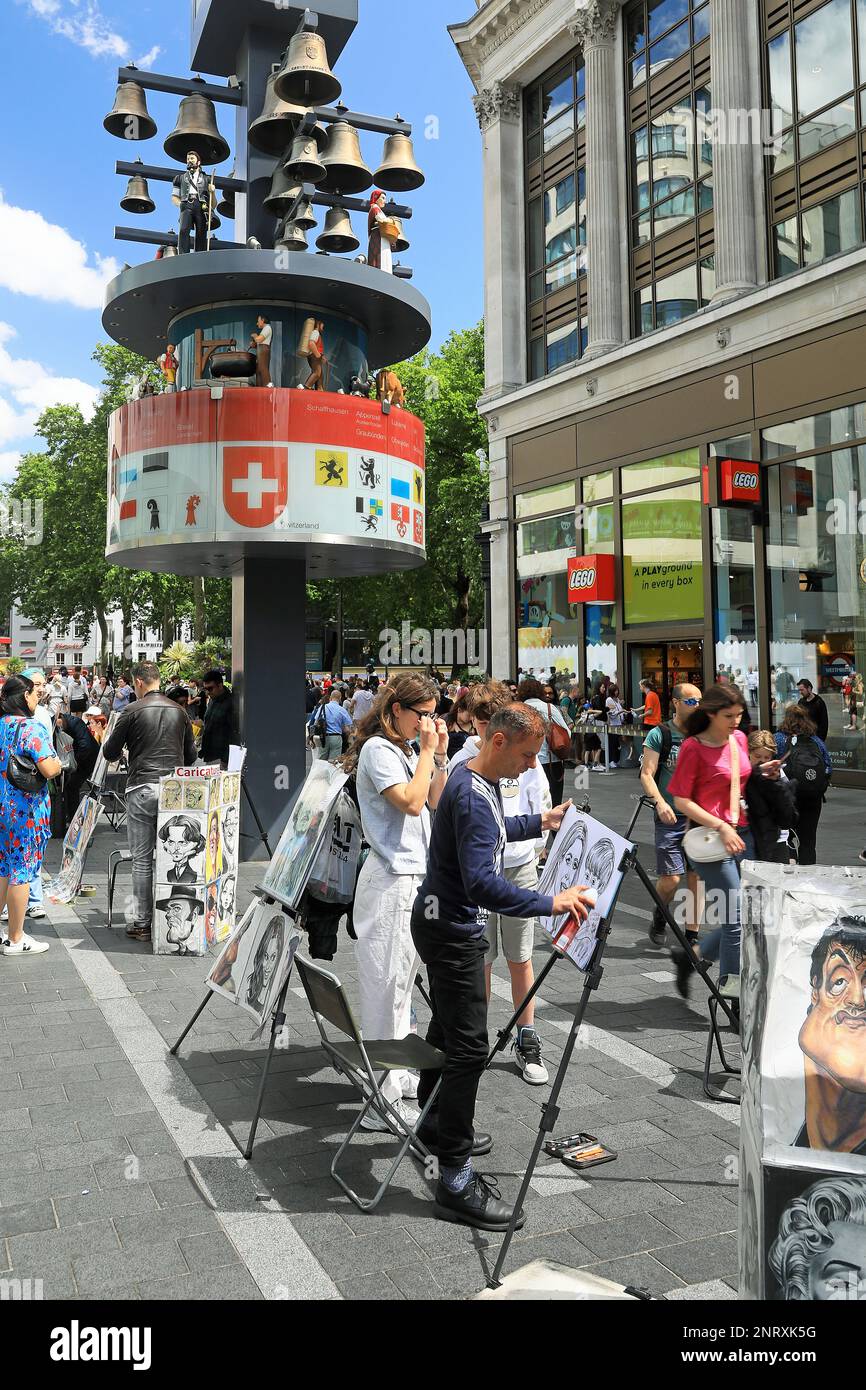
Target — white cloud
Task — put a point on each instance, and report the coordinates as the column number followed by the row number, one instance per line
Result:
column 41, row 259
column 26, row 389
column 86, row 26
column 8, row 464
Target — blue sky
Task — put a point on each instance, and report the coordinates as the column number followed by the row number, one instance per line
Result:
column 59, row 196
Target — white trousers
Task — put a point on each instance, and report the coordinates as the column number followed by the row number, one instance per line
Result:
column 386, row 956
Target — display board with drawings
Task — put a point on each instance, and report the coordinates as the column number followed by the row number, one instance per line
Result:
column 196, row 864
column 803, row 1113
column 257, row 960
column 584, row 853
column 63, row 887
column 310, row 818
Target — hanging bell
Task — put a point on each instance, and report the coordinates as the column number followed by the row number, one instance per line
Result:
column 196, row 129
column 129, row 117
column 291, row 238
column 274, row 129
column 283, row 192
column 338, row 235
column 214, row 220
column 345, row 170
column 303, row 164
column 305, row 217
column 401, row 243
column 398, row 172
column 168, row 251
column 137, row 198
column 226, row 205
column 306, row 76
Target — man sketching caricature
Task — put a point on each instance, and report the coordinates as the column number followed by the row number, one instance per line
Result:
column 833, row 1042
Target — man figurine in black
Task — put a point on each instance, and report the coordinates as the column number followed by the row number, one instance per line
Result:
column 192, row 195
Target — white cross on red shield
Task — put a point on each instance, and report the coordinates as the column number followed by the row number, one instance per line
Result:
column 255, row 483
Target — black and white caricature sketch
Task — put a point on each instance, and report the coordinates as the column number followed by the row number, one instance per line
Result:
column 584, row 854
column 819, row 1250
column 181, row 842
column 181, row 921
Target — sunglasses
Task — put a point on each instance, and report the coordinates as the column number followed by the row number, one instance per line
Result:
column 689, row 702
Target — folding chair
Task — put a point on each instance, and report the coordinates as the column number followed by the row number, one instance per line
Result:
column 365, row 1064
column 715, row 1038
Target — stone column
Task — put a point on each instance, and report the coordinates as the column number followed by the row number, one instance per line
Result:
column 499, row 109
column 733, row 183
column 595, row 29
column 502, row 606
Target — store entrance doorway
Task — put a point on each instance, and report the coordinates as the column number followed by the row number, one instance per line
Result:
column 666, row 664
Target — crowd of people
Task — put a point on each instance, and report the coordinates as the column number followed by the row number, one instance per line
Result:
column 56, row 722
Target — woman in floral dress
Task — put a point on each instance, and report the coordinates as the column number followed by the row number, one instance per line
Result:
column 25, row 817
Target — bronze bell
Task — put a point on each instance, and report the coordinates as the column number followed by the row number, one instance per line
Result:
column 291, row 238
column 306, row 76
column 338, row 235
column 137, row 197
column 398, row 172
column 197, row 130
column 226, row 205
column 283, row 192
column 305, row 217
column 129, row 117
column 303, row 164
column 274, row 129
column 402, row 242
column 345, row 170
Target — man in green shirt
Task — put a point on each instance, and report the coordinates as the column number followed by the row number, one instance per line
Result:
column 660, row 751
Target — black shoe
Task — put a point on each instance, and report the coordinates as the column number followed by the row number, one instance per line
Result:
column 429, row 1136
column 479, row 1204
column 683, row 962
column 657, row 929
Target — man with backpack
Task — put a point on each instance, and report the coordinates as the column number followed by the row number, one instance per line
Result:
column 660, row 751
column 808, row 765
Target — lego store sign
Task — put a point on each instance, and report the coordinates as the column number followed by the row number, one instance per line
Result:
column 739, row 482
column 592, row 579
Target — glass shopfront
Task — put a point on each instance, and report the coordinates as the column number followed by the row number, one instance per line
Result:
column 547, row 625
column 816, row 570
column 343, row 340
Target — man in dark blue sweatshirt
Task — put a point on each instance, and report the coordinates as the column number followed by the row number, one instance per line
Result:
column 464, row 880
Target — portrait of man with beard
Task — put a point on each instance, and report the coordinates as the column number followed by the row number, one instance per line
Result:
column 833, row 1042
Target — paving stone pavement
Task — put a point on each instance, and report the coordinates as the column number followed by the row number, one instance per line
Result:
column 122, row 1179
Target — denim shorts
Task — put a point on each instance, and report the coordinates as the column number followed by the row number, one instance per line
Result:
column 670, row 858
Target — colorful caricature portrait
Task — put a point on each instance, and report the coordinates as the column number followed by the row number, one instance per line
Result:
column 833, row 1041
column 213, row 862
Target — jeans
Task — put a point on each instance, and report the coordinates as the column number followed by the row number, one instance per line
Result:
column 722, row 880
column 455, row 971
column 809, row 813
column 554, row 771
column 141, row 807
column 36, row 896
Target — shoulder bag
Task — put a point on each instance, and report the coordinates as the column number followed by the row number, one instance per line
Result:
column 21, row 770
column 558, row 738
column 706, row 846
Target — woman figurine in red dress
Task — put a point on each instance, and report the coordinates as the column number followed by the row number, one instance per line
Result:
column 379, row 248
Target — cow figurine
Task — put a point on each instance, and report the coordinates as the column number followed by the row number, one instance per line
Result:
column 389, row 388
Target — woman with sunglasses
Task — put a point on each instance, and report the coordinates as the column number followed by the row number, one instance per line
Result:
column 397, row 787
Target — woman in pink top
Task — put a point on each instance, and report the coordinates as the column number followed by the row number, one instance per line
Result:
column 701, row 788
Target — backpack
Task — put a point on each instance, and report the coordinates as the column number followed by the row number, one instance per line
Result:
column 320, row 728
column 805, row 766
column 667, row 745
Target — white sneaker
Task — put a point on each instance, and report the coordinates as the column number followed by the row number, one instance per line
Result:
column 36, row 912
column 527, row 1055
column 4, row 915
column 380, row 1125
column 410, row 1086
column 27, row 946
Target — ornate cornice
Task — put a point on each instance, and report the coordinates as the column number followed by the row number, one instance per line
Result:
column 492, row 27
column 501, row 101
column 596, row 23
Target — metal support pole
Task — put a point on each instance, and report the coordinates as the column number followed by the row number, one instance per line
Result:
column 180, row 86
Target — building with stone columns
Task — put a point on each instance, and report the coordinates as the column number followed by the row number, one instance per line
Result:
column 675, row 307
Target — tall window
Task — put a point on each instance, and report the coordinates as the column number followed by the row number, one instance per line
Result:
column 555, row 149
column 815, row 87
column 667, row 49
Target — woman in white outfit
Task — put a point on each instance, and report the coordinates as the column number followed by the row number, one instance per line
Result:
column 397, row 788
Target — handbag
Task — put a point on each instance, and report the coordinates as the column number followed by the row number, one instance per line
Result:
column 23, row 773
column 703, row 845
column 65, row 751
column 558, row 738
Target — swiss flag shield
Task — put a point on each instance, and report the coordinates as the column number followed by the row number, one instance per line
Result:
column 255, row 483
